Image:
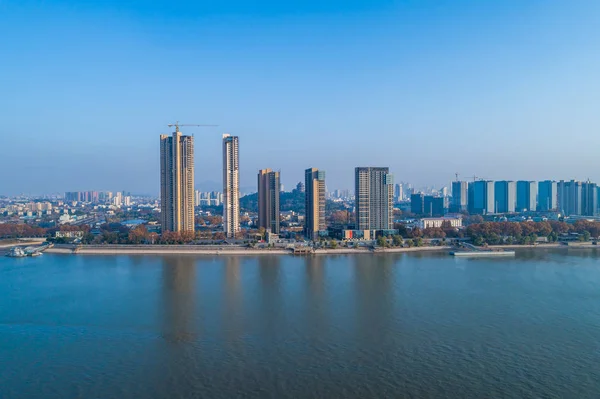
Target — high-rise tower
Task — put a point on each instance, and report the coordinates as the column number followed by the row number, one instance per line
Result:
column 314, row 194
column 459, row 196
column 374, row 198
column 231, row 185
column 268, row 200
column 177, row 182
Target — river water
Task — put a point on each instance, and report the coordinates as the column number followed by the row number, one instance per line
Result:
column 355, row 326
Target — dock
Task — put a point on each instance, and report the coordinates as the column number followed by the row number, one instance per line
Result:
column 303, row 250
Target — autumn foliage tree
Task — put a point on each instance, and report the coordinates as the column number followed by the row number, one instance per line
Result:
column 527, row 232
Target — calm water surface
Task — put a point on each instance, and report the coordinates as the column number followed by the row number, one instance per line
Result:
column 362, row 326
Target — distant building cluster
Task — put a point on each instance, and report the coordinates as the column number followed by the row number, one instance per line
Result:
column 569, row 198
column 83, row 196
column 118, row 199
column 213, row 198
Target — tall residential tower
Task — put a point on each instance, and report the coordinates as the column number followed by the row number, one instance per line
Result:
column 548, row 195
column 177, row 182
column 527, row 196
column 268, row 200
column 459, row 196
column 314, row 194
column 231, row 186
column 374, row 198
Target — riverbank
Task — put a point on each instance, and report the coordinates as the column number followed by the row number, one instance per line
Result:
column 8, row 243
column 201, row 250
column 244, row 251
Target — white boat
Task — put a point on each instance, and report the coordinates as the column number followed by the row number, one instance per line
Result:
column 16, row 252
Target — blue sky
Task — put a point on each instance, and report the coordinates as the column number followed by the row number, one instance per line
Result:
column 501, row 89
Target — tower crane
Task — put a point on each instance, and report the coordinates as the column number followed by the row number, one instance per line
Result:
column 177, row 124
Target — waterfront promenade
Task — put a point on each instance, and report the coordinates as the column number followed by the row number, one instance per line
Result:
column 218, row 250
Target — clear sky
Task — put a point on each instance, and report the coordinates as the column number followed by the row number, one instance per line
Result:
column 506, row 89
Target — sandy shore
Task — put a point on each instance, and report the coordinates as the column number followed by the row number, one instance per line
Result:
column 27, row 241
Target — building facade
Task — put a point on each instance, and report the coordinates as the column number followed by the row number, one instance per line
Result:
column 481, row 197
column 459, row 196
column 314, row 203
column 590, row 199
column 268, row 200
column 417, row 203
column 82, row 196
column 505, row 196
column 427, row 223
column 399, row 192
column 434, row 206
column 527, row 196
column 570, row 197
column 176, row 182
column 547, row 195
column 231, row 186
column 374, row 198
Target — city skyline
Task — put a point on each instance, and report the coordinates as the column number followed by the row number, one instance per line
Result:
column 496, row 89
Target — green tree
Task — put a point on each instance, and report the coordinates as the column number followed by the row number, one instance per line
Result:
column 585, row 235
column 381, row 242
column 397, row 240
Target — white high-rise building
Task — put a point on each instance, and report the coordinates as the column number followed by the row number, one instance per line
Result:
column 231, row 186
column 118, row 199
column 374, row 191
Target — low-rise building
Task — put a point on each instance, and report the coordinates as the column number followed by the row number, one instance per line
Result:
column 367, row 234
column 68, row 234
column 426, row 223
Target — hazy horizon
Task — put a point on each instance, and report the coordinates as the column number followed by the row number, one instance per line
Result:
column 502, row 90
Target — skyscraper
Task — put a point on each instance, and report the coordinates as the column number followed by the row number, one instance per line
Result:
column 434, row 206
column 590, row 199
column 374, row 193
column 231, row 186
column 417, row 203
column 505, row 196
column 176, row 182
column 547, row 195
column 399, row 192
column 527, row 196
column 570, row 197
column 268, row 200
column 459, row 196
column 481, row 197
column 314, row 203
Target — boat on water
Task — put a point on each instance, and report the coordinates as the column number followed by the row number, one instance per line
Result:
column 16, row 252
column 471, row 251
column 481, row 254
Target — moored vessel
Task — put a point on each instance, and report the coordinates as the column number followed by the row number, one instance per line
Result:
column 16, row 252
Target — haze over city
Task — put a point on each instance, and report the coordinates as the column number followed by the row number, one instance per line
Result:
column 503, row 91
